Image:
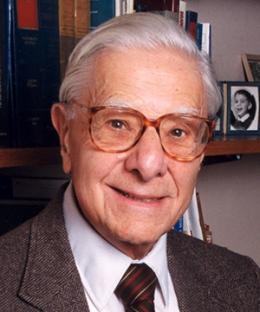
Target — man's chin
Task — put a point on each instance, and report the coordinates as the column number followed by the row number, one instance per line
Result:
column 137, row 245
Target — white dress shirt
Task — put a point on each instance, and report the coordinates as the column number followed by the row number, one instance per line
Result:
column 101, row 266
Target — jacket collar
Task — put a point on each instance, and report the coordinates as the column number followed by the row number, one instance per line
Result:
column 51, row 281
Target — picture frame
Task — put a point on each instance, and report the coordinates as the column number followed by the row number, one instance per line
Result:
column 243, row 108
column 251, row 65
column 218, row 130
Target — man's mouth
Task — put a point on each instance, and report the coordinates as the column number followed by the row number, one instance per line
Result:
column 145, row 199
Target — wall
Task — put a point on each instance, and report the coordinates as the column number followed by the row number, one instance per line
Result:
column 230, row 198
column 235, row 30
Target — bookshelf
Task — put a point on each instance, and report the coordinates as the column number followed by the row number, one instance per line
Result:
column 16, row 157
column 227, row 68
column 12, row 157
column 234, row 145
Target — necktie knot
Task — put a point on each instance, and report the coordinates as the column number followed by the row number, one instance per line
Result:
column 136, row 288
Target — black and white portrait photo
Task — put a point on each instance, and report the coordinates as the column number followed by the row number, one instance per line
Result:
column 243, row 106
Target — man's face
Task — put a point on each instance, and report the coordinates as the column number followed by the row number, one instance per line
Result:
column 131, row 198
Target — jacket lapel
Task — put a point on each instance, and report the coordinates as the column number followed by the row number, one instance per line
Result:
column 51, row 281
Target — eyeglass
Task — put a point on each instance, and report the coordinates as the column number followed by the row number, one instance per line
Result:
column 116, row 129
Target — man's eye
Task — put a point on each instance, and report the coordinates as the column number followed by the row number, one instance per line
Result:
column 117, row 124
column 178, row 133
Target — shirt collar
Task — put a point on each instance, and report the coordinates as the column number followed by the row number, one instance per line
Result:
column 101, row 265
column 243, row 118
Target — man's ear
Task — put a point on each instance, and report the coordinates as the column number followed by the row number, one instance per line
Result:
column 61, row 124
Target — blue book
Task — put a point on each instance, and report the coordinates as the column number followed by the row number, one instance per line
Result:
column 153, row 5
column 101, row 11
column 5, row 75
column 199, row 35
column 36, row 74
column 178, row 227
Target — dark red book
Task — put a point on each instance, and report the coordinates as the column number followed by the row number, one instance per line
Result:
column 191, row 23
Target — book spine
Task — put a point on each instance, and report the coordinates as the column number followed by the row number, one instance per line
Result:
column 178, row 227
column 225, row 108
column 101, row 11
column 155, row 5
column 121, row 7
column 191, row 219
column 206, row 38
column 175, row 6
column 130, row 6
column 5, row 74
column 191, row 23
column 167, row 5
column 82, row 18
column 199, row 35
column 66, row 32
column 36, row 70
column 182, row 14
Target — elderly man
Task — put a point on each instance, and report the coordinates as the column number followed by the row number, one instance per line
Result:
column 135, row 115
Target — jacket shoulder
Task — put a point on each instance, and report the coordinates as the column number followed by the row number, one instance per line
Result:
column 228, row 279
column 210, row 255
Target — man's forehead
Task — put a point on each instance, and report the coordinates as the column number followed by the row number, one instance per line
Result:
column 119, row 78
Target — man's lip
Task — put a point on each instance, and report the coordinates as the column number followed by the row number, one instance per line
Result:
column 135, row 196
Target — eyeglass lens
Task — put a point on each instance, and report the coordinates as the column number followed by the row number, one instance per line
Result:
column 115, row 130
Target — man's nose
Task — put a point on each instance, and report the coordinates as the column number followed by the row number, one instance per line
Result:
column 147, row 157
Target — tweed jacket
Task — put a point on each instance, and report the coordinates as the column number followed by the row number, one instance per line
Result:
column 38, row 272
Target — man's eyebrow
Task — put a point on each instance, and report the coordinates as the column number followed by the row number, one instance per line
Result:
column 185, row 109
column 118, row 102
column 181, row 108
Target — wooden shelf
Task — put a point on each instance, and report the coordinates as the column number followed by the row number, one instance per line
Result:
column 234, row 145
column 14, row 157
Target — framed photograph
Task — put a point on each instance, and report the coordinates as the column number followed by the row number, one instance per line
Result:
column 242, row 108
column 251, row 65
column 220, row 114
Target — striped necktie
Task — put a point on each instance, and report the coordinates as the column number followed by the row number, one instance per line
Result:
column 136, row 288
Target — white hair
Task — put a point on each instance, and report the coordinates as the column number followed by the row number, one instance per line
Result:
column 138, row 30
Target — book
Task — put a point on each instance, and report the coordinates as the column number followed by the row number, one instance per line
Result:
column 176, row 6
column 191, row 222
column 66, row 32
column 225, row 107
column 36, row 70
column 41, row 188
column 130, row 6
column 206, row 38
column 182, row 14
column 124, row 7
column 101, row 11
column 121, row 7
column 178, row 227
column 199, row 35
column 5, row 75
column 191, row 23
column 82, row 18
column 192, row 219
column 74, row 23
column 154, row 5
